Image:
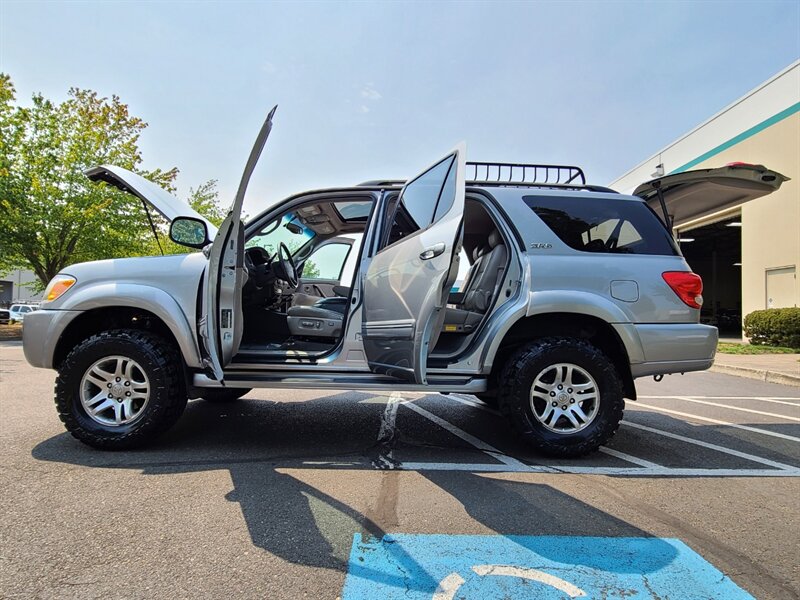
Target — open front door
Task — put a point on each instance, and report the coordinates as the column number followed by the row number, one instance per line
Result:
column 221, row 327
column 694, row 194
column 409, row 279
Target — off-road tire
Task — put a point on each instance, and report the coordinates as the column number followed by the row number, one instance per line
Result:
column 514, row 395
column 222, row 395
column 161, row 363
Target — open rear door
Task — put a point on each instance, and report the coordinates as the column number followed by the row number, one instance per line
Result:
column 221, row 326
column 408, row 281
column 694, row 194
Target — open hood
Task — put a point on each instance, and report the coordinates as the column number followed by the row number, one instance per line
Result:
column 694, row 194
column 160, row 199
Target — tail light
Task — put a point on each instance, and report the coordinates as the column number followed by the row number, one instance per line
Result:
column 687, row 285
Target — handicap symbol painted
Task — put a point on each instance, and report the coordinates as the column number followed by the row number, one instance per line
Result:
column 460, row 567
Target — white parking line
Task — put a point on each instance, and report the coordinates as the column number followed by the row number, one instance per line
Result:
column 625, row 471
column 782, row 436
column 688, row 440
column 474, row 403
column 645, row 469
column 774, row 399
column 739, row 408
column 387, row 432
column 631, row 459
column 470, row 439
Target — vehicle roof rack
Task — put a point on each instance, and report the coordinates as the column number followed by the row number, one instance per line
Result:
column 524, row 174
column 517, row 174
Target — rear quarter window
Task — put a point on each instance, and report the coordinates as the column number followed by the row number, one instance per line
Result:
column 608, row 226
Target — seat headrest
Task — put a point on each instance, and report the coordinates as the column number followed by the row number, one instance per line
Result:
column 495, row 239
column 478, row 252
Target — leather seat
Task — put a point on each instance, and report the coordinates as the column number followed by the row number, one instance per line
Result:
column 316, row 316
column 482, row 284
column 315, row 321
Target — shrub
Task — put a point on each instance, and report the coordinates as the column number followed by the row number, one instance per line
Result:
column 774, row 327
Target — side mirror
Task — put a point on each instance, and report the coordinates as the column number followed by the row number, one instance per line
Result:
column 188, row 231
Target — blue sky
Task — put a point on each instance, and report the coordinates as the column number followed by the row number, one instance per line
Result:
column 369, row 90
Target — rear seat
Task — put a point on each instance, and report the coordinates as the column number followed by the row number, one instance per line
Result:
column 481, row 284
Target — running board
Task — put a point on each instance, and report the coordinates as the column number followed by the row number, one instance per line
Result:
column 347, row 381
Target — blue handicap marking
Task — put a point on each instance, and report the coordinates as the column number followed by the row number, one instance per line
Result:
column 450, row 567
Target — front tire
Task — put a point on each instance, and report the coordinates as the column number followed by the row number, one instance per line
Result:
column 120, row 389
column 563, row 396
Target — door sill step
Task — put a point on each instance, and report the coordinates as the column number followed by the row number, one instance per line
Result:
column 347, row 381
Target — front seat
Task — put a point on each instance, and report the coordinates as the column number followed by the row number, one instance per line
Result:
column 481, row 289
column 314, row 321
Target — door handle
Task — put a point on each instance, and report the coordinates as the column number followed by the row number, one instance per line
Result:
column 433, row 251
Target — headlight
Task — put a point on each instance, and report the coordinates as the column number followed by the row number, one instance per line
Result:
column 57, row 287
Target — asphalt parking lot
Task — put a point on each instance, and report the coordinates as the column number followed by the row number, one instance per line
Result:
column 292, row 494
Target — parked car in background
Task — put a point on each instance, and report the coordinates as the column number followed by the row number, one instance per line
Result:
column 5, row 316
column 18, row 311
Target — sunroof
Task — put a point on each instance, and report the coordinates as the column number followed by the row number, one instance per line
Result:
column 353, row 211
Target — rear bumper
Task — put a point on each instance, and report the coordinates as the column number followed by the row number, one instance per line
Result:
column 40, row 333
column 675, row 348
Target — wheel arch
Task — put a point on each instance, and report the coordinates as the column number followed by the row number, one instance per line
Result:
column 133, row 307
column 591, row 328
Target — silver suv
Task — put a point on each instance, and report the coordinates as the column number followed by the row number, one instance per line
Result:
column 520, row 284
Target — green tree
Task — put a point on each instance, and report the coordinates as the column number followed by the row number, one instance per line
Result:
column 51, row 215
column 205, row 200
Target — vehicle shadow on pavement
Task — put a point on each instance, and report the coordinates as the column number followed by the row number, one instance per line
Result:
column 263, row 443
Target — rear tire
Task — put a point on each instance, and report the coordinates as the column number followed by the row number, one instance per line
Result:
column 143, row 377
column 567, row 421
column 222, row 395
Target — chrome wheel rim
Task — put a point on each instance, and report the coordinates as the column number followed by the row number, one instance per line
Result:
column 114, row 391
column 564, row 398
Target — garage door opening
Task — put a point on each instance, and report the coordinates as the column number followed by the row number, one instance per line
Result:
column 715, row 253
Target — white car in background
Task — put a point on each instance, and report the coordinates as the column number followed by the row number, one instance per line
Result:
column 18, row 312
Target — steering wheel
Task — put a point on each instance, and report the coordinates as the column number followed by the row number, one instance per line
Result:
column 287, row 267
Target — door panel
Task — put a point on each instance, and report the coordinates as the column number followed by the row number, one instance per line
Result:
column 221, row 328
column 318, row 287
column 407, row 283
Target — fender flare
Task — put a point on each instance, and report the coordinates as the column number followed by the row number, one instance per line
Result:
column 154, row 300
column 579, row 303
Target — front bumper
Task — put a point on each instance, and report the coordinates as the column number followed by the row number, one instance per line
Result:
column 41, row 331
column 675, row 348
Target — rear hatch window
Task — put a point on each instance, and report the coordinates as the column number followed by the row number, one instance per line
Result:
column 614, row 227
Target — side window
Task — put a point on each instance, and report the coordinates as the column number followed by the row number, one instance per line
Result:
column 418, row 201
column 327, row 262
column 608, row 226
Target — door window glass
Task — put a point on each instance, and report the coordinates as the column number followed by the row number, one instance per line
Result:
column 448, row 193
column 327, row 262
column 417, row 203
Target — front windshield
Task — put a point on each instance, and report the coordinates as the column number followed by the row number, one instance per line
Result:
column 289, row 230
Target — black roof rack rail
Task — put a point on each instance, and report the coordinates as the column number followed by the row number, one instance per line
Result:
column 499, row 174
column 524, row 174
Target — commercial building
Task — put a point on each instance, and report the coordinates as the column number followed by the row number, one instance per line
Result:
column 748, row 256
column 15, row 287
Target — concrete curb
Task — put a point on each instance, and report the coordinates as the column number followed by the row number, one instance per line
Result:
column 760, row 374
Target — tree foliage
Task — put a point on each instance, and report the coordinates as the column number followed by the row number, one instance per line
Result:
column 51, row 215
